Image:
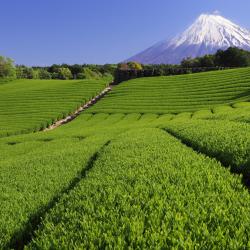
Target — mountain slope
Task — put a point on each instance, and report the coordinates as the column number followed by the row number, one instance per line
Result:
column 206, row 35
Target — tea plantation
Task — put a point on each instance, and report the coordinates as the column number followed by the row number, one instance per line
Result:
column 31, row 105
column 159, row 163
column 175, row 94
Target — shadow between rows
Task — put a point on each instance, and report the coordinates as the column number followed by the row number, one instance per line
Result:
column 224, row 163
column 24, row 236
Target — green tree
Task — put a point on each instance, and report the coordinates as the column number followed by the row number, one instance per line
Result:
column 24, row 72
column 232, row 57
column 64, row 74
column 206, row 61
column 7, row 68
column 87, row 73
column 28, row 73
column 187, row 62
column 53, row 68
column 75, row 70
column 44, row 74
column 36, row 74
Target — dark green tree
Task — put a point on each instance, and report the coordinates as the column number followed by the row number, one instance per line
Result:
column 232, row 57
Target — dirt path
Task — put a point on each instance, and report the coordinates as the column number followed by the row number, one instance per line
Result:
column 78, row 111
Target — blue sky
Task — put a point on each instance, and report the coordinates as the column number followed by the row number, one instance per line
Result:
column 43, row 32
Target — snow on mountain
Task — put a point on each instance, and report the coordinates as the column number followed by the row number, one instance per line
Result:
column 206, row 35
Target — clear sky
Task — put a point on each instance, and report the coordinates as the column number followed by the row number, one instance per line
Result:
column 43, row 32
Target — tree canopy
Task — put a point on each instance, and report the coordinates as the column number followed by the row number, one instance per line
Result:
column 7, row 68
column 232, row 57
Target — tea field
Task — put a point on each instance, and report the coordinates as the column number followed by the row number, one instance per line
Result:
column 31, row 105
column 175, row 94
column 158, row 173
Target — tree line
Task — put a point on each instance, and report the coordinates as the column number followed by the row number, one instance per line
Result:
column 55, row 71
column 222, row 59
column 230, row 58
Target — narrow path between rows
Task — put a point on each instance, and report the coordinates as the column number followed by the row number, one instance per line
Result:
column 81, row 109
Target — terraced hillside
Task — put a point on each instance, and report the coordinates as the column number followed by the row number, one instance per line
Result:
column 177, row 94
column 131, row 180
column 30, row 105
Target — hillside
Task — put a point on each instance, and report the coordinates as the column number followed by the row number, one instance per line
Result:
column 100, row 171
column 120, row 180
column 175, row 94
column 31, row 105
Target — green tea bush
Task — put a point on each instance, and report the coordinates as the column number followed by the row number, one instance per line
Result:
column 146, row 190
column 25, row 104
column 175, row 94
column 34, row 174
column 229, row 142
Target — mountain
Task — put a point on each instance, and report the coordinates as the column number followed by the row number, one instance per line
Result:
column 206, row 35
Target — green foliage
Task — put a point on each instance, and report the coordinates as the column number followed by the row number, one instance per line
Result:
column 44, row 74
column 215, row 138
column 148, row 191
column 205, row 61
column 29, row 105
column 80, row 76
column 114, row 179
column 7, row 68
column 64, row 74
column 87, row 73
column 231, row 57
column 23, row 72
column 75, row 70
column 82, row 71
column 55, row 71
column 175, row 94
column 147, row 164
column 28, row 195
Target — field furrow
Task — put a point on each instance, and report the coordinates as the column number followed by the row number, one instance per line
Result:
column 32, row 182
column 146, row 190
column 228, row 142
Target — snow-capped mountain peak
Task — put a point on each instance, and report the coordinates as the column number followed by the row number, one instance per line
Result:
column 206, row 35
column 212, row 29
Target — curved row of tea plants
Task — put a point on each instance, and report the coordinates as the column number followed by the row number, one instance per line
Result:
column 237, row 112
column 175, row 94
column 229, row 142
column 53, row 160
column 146, row 190
column 37, row 168
column 33, row 175
column 31, row 105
